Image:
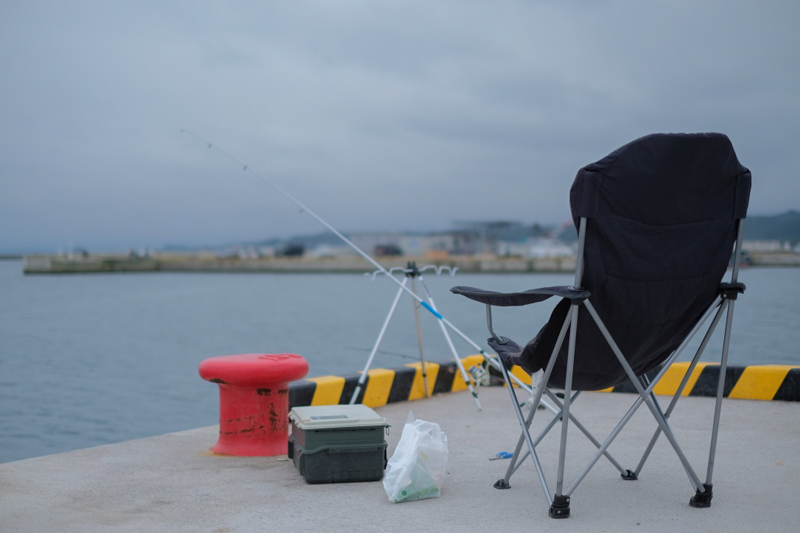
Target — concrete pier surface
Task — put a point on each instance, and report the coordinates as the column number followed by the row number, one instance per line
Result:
column 173, row 483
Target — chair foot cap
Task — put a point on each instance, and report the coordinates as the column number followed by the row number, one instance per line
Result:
column 559, row 507
column 501, row 484
column 702, row 500
column 630, row 476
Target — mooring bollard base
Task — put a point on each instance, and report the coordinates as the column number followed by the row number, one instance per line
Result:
column 253, row 401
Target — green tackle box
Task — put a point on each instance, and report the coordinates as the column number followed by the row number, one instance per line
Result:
column 338, row 443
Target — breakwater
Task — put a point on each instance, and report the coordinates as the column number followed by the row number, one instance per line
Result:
column 95, row 263
column 98, row 263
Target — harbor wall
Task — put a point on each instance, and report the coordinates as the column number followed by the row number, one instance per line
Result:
column 108, row 263
column 55, row 264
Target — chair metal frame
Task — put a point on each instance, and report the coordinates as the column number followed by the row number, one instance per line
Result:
column 560, row 501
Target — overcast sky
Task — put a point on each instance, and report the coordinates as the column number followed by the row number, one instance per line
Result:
column 377, row 115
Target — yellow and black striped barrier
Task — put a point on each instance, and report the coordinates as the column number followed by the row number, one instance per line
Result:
column 382, row 386
column 758, row 382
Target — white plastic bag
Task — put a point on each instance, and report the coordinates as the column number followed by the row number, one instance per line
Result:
column 417, row 467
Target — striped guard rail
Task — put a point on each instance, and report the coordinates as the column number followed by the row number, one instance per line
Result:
column 383, row 386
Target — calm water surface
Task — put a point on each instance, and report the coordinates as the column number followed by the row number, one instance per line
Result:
column 94, row 359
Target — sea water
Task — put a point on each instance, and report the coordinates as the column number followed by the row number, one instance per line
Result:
column 100, row 358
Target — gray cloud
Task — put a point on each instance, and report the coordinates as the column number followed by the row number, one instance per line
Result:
column 377, row 115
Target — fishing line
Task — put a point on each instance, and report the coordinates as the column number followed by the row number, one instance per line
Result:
column 360, row 252
column 319, row 219
column 281, row 190
column 397, row 354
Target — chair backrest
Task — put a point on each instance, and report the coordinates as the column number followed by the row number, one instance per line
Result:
column 662, row 216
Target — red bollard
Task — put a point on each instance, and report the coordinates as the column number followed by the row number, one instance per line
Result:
column 253, row 401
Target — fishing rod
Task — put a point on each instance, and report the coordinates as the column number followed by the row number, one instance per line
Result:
column 363, row 254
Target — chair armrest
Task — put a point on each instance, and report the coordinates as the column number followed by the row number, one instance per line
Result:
column 512, row 299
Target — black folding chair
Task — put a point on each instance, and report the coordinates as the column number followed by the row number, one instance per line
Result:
column 659, row 220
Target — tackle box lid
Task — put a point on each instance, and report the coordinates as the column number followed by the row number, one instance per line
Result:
column 335, row 416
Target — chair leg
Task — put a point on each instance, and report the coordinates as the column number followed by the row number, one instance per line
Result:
column 559, row 508
column 695, row 480
column 703, row 499
column 517, row 461
column 574, row 420
column 503, row 483
column 639, row 400
column 537, row 399
column 525, row 434
column 700, row 350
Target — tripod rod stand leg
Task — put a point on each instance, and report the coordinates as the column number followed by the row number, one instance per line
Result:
column 363, row 376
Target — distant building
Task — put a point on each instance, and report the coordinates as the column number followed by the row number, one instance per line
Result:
column 419, row 245
column 327, row 250
column 469, row 241
column 535, row 247
column 368, row 242
column 766, row 246
column 414, row 244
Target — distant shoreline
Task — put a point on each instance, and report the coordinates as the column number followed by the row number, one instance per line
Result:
column 110, row 263
column 53, row 264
